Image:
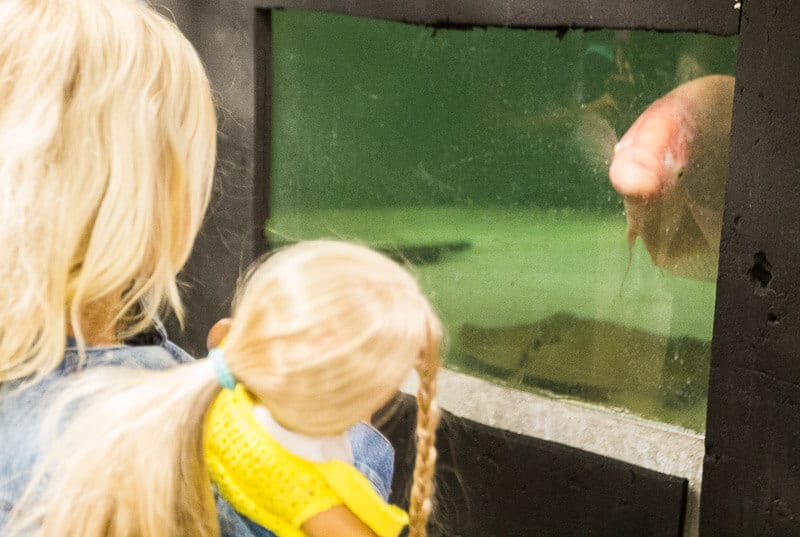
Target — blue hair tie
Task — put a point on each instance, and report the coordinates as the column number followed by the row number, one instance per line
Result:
column 224, row 375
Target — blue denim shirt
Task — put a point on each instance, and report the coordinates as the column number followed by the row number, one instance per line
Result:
column 22, row 412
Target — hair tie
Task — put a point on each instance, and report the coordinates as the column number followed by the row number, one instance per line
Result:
column 221, row 369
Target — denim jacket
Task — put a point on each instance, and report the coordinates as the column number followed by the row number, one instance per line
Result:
column 22, row 412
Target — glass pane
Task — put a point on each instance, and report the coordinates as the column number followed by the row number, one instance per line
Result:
column 482, row 156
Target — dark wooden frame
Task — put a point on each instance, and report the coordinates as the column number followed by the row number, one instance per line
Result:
column 752, row 467
column 751, row 475
column 706, row 16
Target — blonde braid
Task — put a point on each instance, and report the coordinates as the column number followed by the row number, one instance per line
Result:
column 427, row 421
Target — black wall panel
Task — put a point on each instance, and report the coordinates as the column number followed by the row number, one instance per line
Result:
column 494, row 483
column 751, row 479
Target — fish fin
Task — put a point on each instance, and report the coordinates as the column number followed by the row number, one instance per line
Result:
column 595, row 138
column 708, row 220
column 670, row 228
column 703, row 264
column 631, row 238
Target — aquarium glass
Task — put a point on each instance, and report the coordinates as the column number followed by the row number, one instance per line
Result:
column 481, row 156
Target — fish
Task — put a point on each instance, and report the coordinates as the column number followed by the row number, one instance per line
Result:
column 670, row 168
column 596, row 359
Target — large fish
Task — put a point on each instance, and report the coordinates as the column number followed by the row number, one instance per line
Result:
column 595, row 359
column 671, row 167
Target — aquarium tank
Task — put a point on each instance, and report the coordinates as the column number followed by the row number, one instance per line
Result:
column 480, row 156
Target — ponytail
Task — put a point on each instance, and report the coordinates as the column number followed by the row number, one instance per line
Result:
column 131, row 463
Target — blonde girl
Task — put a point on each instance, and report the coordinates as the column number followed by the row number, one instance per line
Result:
column 107, row 150
column 108, row 136
column 322, row 335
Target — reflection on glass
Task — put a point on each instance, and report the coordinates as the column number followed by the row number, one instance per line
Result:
column 484, row 157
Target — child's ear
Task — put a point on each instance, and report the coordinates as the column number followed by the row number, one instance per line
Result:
column 218, row 333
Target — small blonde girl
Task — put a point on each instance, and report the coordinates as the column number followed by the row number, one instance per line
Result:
column 322, row 335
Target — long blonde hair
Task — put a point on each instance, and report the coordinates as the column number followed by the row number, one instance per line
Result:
column 323, row 334
column 108, row 137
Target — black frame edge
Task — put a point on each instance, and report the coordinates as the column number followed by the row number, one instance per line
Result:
column 718, row 17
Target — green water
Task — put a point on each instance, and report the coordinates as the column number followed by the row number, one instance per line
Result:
column 475, row 153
